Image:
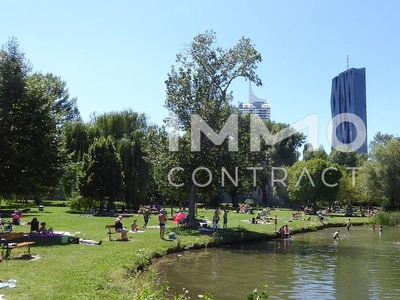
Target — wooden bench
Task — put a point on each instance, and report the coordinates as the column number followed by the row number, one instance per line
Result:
column 111, row 232
column 7, row 246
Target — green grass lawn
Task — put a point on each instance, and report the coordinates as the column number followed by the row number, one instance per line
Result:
column 109, row 271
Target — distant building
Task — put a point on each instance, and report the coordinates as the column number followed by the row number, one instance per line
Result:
column 256, row 106
column 349, row 96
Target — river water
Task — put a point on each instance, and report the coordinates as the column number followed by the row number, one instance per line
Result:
column 361, row 265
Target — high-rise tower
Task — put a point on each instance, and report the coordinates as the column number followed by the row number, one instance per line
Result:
column 349, row 110
column 256, row 106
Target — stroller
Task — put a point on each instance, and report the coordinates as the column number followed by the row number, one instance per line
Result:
column 7, row 227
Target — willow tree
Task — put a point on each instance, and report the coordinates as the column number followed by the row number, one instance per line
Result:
column 127, row 128
column 77, row 138
column 199, row 85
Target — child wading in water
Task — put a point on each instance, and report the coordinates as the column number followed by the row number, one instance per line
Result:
column 336, row 235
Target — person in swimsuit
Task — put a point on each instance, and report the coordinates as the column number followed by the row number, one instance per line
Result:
column 43, row 228
column 146, row 216
column 162, row 219
column 336, row 235
column 348, row 225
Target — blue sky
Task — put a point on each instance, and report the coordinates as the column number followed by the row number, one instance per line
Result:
column 116, row 54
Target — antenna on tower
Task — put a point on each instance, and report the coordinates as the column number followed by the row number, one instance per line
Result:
column 347, row 62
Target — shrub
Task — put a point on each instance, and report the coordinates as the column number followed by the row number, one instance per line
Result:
column 79, row 203
column 387, row 218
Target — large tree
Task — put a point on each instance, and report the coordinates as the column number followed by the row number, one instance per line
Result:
column 33, row 109
column 310, row 153
column 279, row 154
column 127, row 128
column 383, row 172
column 380, row 139
column 14, row 70
column 314, row 182
column 199, row 85
column 77, row 138
column 343, row 157
column 101, row 176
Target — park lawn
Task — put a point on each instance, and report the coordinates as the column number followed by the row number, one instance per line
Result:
column 109, row 271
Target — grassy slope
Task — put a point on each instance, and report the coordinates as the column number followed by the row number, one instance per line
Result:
column 101, row 272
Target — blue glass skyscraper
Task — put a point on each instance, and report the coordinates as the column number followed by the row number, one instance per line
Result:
column 349, row 110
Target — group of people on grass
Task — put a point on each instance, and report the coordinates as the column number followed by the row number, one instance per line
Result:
column 16, row 217
column 283, row 231
column 162, row 221
column 216, row 218
column 44, row 230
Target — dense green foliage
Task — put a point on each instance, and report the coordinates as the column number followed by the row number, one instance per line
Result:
column 314, row 181
column 33, row 109
column 125, row 131
column 101, row 177
column 387, row 218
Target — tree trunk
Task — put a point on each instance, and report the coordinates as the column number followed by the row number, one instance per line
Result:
column 264, row 192
column 234, row 196
column 191, row 223
column 110, row 204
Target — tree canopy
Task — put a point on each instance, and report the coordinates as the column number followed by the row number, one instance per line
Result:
column 33, row 109
column 199, row 86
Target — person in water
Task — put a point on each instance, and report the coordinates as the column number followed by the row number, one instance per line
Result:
column 336, row 235
column 348, row 225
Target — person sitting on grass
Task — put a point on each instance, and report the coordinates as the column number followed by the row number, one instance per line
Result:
column 34, row 225
column 134, row 226
column 43, row 228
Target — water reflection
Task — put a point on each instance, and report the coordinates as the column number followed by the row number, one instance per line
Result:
column 362, row 265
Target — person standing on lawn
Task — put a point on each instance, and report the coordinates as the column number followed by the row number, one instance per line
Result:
column 225, row 218
column 146, row 216
column 162, row 221
column 275, row 222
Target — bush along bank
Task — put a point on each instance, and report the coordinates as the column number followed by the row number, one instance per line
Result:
column 387, row 218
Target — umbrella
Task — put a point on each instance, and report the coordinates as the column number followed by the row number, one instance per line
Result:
column 179, row 217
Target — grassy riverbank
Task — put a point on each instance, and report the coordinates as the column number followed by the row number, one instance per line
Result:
column 110, row 271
